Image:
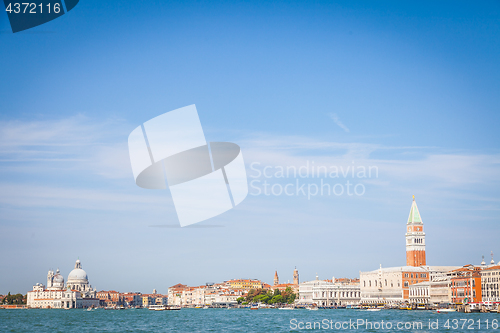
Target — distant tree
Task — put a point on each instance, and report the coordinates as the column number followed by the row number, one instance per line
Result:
column 276, row 299
column 254, row 292
column 261, row 298
column 277, row 292
column 14, row 299
column 288, row 295
column 240, row 299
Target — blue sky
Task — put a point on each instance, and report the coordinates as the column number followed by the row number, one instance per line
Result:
column 409, row 88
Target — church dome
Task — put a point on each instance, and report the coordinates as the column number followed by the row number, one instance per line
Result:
column 78, row 274
column 58, row 278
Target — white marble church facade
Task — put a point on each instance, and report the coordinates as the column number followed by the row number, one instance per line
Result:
column 77, row 293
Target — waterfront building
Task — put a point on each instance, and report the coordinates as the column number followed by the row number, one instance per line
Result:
column 466, row 284
column 329, row 293
column 390, row 285
column 420, row 293
column 440, row 291
column 148, row 299
column 110, row 298
column 490, row 283
column 77, row 294
column 153, row 299
column 283, row 286
column 245, row 284
column 132, row 299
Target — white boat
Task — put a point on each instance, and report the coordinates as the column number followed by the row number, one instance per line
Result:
column 157, row 307
column 375, row 309
column 286, row 308
column 312, row 308
column 445, row 310
column 172, row 307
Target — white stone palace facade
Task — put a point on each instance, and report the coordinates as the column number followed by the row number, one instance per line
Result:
column 76, row 294
column 328, row 293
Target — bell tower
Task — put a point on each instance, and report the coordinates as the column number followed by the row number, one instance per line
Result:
column 295, row 276
column 276, row 279
column 50, row 277
column 415, row 238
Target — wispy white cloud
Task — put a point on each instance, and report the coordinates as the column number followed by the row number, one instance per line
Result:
column 432, row 171
column 84, row 149
column 337, row 121
column 77, row 143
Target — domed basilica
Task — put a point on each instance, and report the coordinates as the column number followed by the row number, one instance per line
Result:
column 78, row 292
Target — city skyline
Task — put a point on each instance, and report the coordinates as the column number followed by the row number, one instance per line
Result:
column 415, row 239
column 409, row 89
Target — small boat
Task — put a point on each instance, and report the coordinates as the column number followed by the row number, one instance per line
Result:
column 205, row 307
column 312, row 308
column 90, row 309
column 254, row 307
column 373, row 309
column 445, row 310
column 474, row 307
column 285, row 308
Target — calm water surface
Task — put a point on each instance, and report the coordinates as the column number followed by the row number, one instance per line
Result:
column 242, row 320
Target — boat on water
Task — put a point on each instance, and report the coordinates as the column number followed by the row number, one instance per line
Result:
column 421, row 307
column 157, row 307
column 474, row 307
column 160, row 307
column 172, row 308
column 445, row 310
column 254, row 307
column 373, row 309
column 312, row 308
column 286, row 308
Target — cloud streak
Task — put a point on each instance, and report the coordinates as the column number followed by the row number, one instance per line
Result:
column 337, row 121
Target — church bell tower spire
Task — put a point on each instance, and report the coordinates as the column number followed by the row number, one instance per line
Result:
column 415, row 238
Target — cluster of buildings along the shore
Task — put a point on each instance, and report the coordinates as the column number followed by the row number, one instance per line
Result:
column 414, row 283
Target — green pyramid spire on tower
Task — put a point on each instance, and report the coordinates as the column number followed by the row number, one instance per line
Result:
column 414, row 214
